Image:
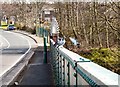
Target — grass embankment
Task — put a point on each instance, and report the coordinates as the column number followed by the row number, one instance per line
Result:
column 105, row 57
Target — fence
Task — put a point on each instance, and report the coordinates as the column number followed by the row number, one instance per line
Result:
column 41, row 32
column 71, row 69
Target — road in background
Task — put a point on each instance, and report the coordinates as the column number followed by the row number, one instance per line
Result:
column 13, row 47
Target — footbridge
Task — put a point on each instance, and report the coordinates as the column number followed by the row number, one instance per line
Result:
column 70, row 68
column 54, row 65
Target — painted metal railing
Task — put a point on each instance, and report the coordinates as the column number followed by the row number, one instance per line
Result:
column 66, row 70
column 41, row 32
column 70, row 68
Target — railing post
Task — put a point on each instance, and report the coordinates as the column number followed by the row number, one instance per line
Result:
column 63, row 71
column 60, row 70
column 75, row 75
column 56, row 67
column 40, row 32
column 45, row 50
column 43, row 32
column 68, row 74
column 47, row 36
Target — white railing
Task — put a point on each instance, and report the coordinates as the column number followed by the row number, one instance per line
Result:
column 72, row 69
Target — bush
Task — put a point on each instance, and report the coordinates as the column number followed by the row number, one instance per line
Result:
column 21, row 26
column 106, row 58
column 32, row 31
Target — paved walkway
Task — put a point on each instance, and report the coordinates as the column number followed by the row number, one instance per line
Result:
column 37, row 72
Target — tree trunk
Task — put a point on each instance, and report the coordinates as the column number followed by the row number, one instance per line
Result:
column 95, row 23
column 83, row 26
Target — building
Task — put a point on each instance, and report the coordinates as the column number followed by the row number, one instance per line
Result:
column 47, row 12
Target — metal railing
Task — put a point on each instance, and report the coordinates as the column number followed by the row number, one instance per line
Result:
column 70, row 68
column 41, row 32
column 67, row 71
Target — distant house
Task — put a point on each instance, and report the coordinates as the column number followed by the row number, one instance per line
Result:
column 47, row 12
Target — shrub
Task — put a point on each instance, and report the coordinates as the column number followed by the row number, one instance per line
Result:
column 106, row 58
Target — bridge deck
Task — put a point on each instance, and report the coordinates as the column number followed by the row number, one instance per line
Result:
column 38, row 73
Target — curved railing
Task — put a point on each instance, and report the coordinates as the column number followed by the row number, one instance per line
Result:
column 71, row 69
column 41, row 32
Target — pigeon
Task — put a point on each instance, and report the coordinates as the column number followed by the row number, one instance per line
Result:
column 74, row 41
column 61, row 41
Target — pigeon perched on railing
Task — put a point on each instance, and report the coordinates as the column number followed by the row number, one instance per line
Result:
column 61, row 41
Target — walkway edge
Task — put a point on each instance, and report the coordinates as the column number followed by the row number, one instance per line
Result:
column 10, row 77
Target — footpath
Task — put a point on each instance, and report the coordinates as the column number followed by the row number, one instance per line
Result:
column 37, row 72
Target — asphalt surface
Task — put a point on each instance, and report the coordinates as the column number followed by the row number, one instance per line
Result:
column 38, row 73
column 13, row 47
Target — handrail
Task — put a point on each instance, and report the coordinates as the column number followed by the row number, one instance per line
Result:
column 72, row 69
column 41, row 32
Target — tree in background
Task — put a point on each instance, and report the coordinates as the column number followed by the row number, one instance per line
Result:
column 94, row 24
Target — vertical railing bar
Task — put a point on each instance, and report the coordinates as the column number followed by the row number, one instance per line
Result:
column 57, row 67
column 85, row 77
column 64, row 70
column 76, row 74
column 68, row 74
column 47, row 36
column 60, row 69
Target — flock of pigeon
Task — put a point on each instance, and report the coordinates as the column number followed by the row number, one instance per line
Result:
column 61, row 40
